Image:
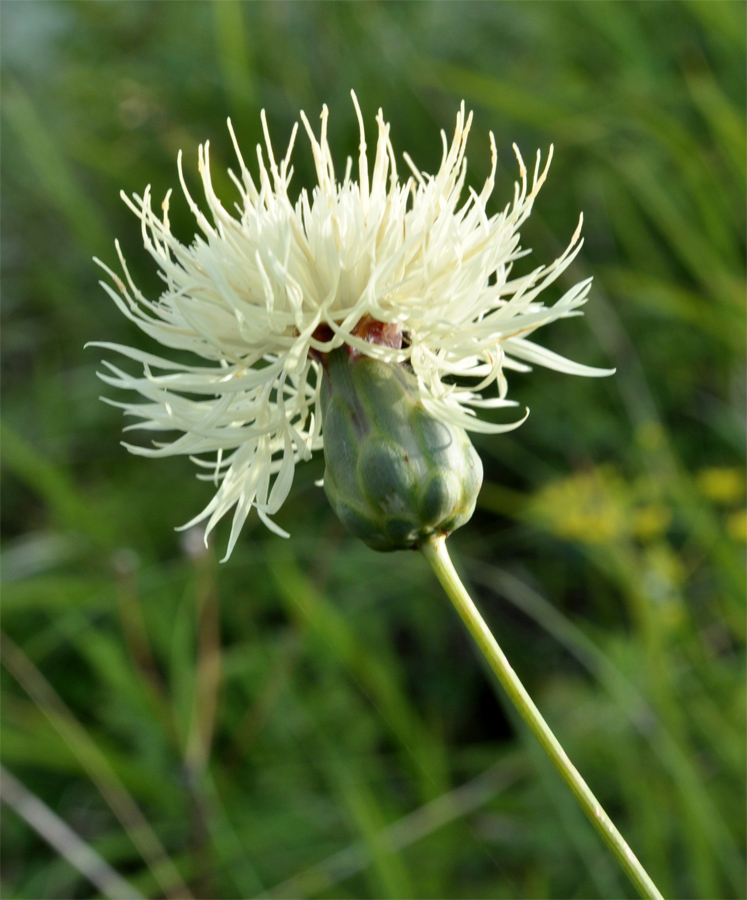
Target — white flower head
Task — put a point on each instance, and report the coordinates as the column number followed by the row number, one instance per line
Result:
column 412, row 271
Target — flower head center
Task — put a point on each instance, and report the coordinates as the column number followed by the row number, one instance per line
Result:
column 387, row 334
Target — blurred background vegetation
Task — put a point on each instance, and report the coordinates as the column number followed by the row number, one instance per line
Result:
column 309, row 719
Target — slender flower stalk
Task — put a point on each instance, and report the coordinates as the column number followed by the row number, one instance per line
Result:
column 434, row 550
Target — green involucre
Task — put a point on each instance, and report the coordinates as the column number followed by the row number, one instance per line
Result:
column 394, row 474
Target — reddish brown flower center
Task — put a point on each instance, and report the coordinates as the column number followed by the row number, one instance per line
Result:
column 388, row 334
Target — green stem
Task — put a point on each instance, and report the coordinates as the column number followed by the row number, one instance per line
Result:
column 435, row 552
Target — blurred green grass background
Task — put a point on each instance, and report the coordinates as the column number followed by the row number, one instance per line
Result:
column 309, row 719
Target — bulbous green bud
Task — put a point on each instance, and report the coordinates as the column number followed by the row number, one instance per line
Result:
column 394, row 474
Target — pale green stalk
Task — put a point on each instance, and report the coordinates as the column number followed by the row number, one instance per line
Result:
column 435, row 552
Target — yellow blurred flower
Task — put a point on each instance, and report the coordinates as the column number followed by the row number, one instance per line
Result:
column 650, row 521
column 721, row 484
column 736, row 525
column 589, row 507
